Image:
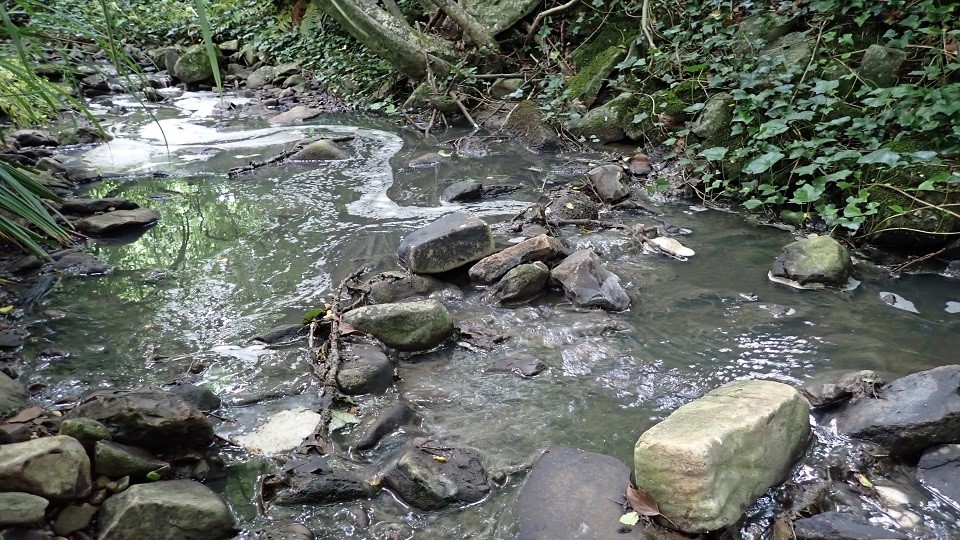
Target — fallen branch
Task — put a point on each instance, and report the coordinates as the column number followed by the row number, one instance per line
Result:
column 464, row 110
column 254, row 165
column 544, row 14
column 900, row 268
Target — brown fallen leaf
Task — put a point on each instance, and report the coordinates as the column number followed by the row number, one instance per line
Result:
column 642, row 503
column 25, row 416
column 783, row 530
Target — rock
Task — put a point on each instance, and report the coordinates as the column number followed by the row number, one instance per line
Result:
column 449, row 242
column 284, row 431
column 171, row 510
column 501, row 88
column 570, row 493
column 880, row 65
column 293, row 531
column 27, row 138
column 283, row 334
column 170, row 57
column 13, row 395
column 118, row 460
column 712, row 458
column 324, row 487
column 525, row 366
column 607, row 182
column 587, row 283
column 322, row 150
column 639, row 165
column 21, row 509
column 390, row 287
column 78, row 263
column 199, row 397
column 543, row 248
column 429, row 483
column 526, row 123
column 150, row 418
column 605, row 123
column 407, row 326
column 913, row 413
column 521, row 283
column 939, row 471
column 74, row 518
column 844, row 387
column 51, row 467
column 815, row 259
column 391, row 418
column 671, row 246
column 713, row 124
column 841, row 526
column 229, row 47
column 86, row 207
column 82, row 135
column 288, row 69
column 193, row 66
column 117, row 221
column 294, row 81
column 12, row 339
column 14, row 433
column 365, row 370
column 295, row 115
column 571, row 204
column 591, row 76
column 86, row 430
column 466, row 190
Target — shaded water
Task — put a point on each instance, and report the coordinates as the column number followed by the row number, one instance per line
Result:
column 232, row 257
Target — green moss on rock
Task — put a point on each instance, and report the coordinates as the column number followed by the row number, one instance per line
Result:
column 587, row 82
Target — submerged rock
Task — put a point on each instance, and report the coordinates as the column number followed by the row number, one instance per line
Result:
column 199, row 397
column 324, row 487
column 118, row 460
column 149, row 418
column 284, row 431
column 12, row 394
column 587, row 283
column 78, row 263
column 285, row 333
column 117, row 221
column 51, row 467
column 171, row 510
column 430, row 475
column 815, row 259
column 449, row 242
column 542, row 248
column 843, row 388
column 389, row 420
column 939, row 471
column 407, row 326
column 86, row 207
column 21, row 509
column 912, row 413
column 841, row 526
column 607, row 183
column 322, row 150
column 467, row 190
column 525, row 366
column 388, row 287
column 522, row 283
column 708, row 461
column 365, row 370
column 570, row 493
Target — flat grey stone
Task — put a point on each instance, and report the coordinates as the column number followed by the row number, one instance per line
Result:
column 449, row 242
column 841, row 526
column 117, row 221
column 21, row 509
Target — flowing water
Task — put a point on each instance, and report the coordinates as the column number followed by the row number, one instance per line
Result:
column 232, row 257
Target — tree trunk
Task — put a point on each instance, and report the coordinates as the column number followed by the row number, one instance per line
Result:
column 472, row 29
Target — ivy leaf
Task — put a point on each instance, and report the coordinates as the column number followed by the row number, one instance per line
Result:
column 752, row 204
column 714, row 154
column 771, row 129
column 806, row 169
column 926, row 186
column 833, row 177
column 313, row 314
column 806, row 193
column 884, row 155
column 763, row 163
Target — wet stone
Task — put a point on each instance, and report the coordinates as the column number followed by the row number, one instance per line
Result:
column 86, row 430
column 77, row 263
column 939, row 471
column 117, row 221
column 815, row 259
column 322, row 150
column 407, row 326
column 467, row 190
column 430, row 475
column 12, row 394
column 449, row 242
column 74, row 518
column 389, row 420
column 324, row 487
column 841, row 526
column 51, row 467
column 543, row 248
column 365, row 370
column 570, row 204
column 388, row 287
column 525, row 366
column 522, row 283
column 200, row 397
column 607, row 182
column 118, row 460
column 285, row 333
column 86, row 207
column 587, row 283
column 843, row 388
column 21, row 509
column 171, row 510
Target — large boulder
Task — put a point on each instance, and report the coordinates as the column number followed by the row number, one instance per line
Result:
column 587, row 283
column 815, row 259
column 570, row 493
column 407, row 326
column 712, row 458
column 880, row 65
column 449, row 242
column 430, row 475
column 193, row 66
column 51, row 467
column 172, row 510
column 939, row 471
column 605, row 123
column 149, row 418
column 912, row 413
column 12, row 394
column 542, row 248
column 841, row 526
column 117, row 221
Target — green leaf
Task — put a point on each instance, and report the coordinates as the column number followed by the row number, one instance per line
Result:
column 807, row 193
column 927, row 186
column 339, row 419
column 314, row 314
column 806, row 169
column 883, row 155
column 763, row 163
column 714, row 154
column 771, row 128
column 753, row 204
column 630, row 518
column 153, row 476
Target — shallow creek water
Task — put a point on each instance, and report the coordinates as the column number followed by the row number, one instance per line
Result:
column 232, row 257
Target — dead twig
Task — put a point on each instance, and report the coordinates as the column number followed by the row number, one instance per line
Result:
column 544, row 14
column 464, row 110
column 282, row 156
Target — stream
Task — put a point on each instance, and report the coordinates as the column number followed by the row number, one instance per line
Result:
column 233, row 257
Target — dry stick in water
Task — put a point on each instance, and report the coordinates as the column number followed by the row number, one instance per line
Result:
column 254, row 165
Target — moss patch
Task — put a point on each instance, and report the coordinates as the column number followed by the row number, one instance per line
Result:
column 587, row 83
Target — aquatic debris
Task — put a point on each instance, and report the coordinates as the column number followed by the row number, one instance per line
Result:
column 671, row 247
column 898, row 302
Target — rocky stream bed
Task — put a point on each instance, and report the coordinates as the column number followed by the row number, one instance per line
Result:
column 511, row 326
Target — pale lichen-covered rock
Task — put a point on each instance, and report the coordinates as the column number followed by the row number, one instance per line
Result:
column 711, row 459
column 407, row 326
column 193, row 66
column 880, row 65
column 172, row 510
column 449, row 242
column 51, row 467
column 713, row 124
column 815, row 259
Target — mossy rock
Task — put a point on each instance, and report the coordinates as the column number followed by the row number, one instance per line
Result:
column 586, row 84
column 758, row 30
column 618, row 31
column 526, row 123
column 654, row 115
column 193, row 66
column 606, row 122
column 901, row 221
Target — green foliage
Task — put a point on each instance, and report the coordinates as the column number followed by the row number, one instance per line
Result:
column 808, row 130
